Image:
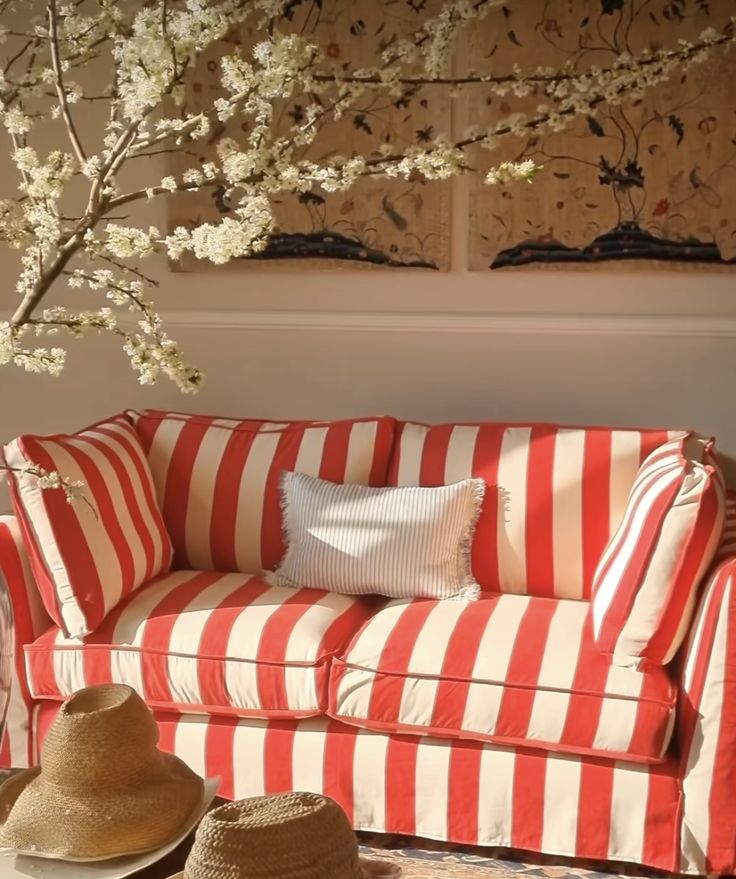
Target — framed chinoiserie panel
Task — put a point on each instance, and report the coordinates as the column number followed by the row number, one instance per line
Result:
column 379, row 222
column 647, row 183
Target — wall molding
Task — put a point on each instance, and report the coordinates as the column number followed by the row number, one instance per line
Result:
column 465, row 323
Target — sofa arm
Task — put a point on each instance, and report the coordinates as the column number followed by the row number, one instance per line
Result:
column 707, row 729
column 29, row 621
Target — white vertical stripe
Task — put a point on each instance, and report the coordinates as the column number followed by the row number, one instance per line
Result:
column 123, row 514
column 432, row 787
column 369, row 780
column 161, row 453
column 300, row 685
column 629, row 799
column 561, row 801
column 131, row 622
column 305, row 636
column 426, row 660
column 567, row 521
column 625, row 461
column 512, row 478
column 411, row 447
column 616, row 722
column 311, row 450
column 557, row 671
column 360, row 452
column 249, row 748
column 68, row 667
column 492, row 662
column 460, row 452
column 190, row 740
column 186, row 634
column 308, row 755
column 495, row 796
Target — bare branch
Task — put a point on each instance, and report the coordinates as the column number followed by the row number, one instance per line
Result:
column 60, row 89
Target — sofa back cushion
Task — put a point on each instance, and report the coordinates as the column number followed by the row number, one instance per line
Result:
column 645, row 587
column 89, row 553
column 217, row 480
column 554, row 497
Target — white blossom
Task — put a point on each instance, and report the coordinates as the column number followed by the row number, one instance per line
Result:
column 69, row 212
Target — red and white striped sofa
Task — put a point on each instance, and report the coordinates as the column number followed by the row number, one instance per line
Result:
column 496, row 722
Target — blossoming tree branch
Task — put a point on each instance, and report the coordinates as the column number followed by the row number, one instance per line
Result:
column 66, row 211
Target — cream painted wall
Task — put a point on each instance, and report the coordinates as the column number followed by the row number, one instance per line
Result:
column 615, row 348
column 621, row 348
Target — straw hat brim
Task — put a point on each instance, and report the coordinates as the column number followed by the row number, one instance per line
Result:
column 373, row 868
column 178, row 787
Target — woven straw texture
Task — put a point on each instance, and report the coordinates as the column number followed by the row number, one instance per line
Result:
column 287, row 836
column 104, row 789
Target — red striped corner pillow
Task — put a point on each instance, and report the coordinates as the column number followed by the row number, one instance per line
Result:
column 645, row 586
column 217, row 479
column 88, row 554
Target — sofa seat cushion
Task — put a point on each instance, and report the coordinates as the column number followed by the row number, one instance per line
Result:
column 221, row 643
column 511, row 669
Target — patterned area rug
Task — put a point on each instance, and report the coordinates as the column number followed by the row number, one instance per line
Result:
column 424, row 859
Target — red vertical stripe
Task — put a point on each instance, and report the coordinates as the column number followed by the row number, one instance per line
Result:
column 178, row 482
column 274, row 643
column 382, row 451
column 386, row 699
column 651, row 440
column 486, row 456
column 434, row 455
column 530, row 645
column 335, row 452
column 216, row 636
column 458, row 663
column 218, row 751
column 167, row 726
column 151, row 529
column 594, row 809
column 540, row 569
column 338, row 779
column 720, row 855
column 583, row 713
column 401, row 774
column 223, row 534
column 70, row 539
column 285, row 458
column 155, row 643
column 463, row 800
column 527, row 807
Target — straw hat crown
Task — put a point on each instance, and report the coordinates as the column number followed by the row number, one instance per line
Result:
column 287, row 836
column 103, row 789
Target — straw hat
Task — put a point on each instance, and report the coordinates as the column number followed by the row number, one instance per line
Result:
column 294, row 835
column 103, row 788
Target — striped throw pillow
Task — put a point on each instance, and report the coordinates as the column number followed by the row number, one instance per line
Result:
column 647, row 580
column 407, row 542
column 89, row 554
column 217, row 479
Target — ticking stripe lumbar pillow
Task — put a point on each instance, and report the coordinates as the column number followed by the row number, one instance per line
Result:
column 89, row 554
column 647, row 579
column 407, row 542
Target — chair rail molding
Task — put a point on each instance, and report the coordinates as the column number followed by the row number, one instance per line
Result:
column 461, row 323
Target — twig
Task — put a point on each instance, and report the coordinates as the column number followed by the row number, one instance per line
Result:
column 60, row 90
